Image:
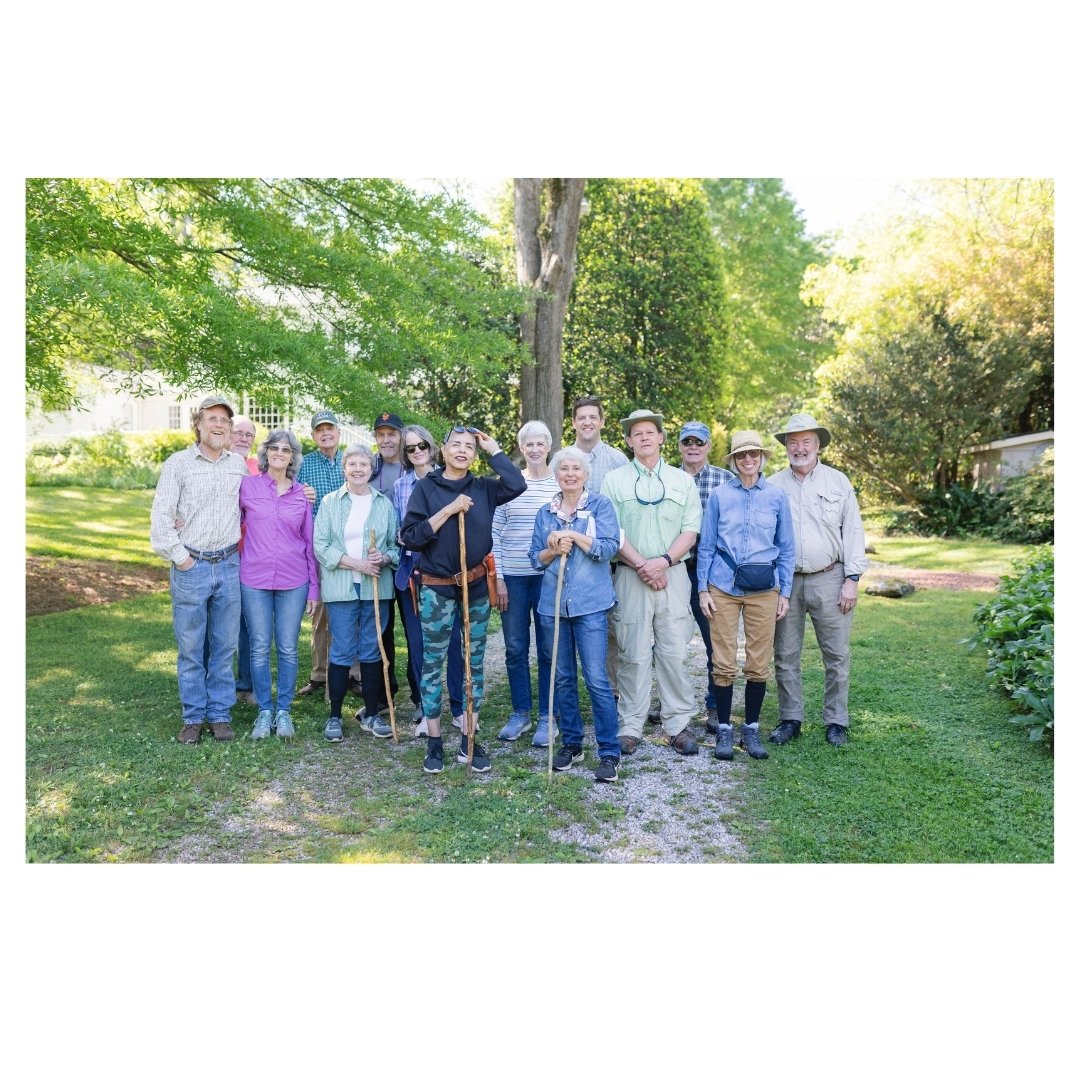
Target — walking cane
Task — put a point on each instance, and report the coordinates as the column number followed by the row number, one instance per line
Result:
column 382, row 649
column 465, row 643
column 554, row 657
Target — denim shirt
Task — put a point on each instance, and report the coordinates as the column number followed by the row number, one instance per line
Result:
column 587, row 578
column 751, row 525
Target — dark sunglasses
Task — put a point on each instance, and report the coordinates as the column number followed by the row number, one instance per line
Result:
column 459, row 429
column 417, row 446
column 692, row 440
column 649, row 502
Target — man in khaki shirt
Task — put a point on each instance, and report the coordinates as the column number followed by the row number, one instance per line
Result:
column 830, row 556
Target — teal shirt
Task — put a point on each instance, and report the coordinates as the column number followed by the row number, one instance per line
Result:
column 336, row 583
column 652, row 529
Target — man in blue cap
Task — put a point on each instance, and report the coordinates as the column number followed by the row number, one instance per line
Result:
column 695, row 442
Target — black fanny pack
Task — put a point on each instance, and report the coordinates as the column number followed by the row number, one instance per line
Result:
column 752, row 576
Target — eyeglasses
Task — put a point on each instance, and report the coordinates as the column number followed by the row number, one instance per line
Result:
column 286, row 449
column 459, row 429
column 247, row 436
column 649, row 502
column 417, row 446
column 692, row 440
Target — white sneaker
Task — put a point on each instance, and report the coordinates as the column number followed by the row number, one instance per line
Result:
column 459, row 722
column 420, row 731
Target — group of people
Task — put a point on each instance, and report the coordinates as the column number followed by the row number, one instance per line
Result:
column 602, row 562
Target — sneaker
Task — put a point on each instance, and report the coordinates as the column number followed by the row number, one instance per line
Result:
column 785, row 731
column 381, row 729
column 459, row 721
column 420, row 731
column 567, row 757
column 332, row 731
column 311, row 687
column 190, row 734
column 263, row 725
column 516, row 725
column 608, row 770
column 540, row 738
column 433, row 760
column 480, row 761
column 286, row 729
column 367, row 723
column 223, row 731
column 418, row 714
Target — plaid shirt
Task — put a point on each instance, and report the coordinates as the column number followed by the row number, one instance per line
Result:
column 710, row 477
column 322, row 473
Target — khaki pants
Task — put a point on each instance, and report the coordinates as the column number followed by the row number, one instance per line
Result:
column 759, row 622
column 654, row 629
column 320, row 643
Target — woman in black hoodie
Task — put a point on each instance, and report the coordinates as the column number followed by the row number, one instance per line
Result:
column 431, row 528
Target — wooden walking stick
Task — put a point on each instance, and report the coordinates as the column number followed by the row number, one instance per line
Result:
column 382, row 649
column 465, row 643
column 554, row 657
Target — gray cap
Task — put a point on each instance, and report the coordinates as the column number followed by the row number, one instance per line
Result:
column 216, row 399
column 641, row 414
column 324, row 416
column 800, row 422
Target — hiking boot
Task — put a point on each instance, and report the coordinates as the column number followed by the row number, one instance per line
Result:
column 725, row 742
column 223, row 731
column 785, row 731
column 567, row 757
column 515, row 726
column 628, row 744
column 751, row 743
column 684, row 743
column 263, row 725
column 541, row 735
column 653, row 716
column 312, row 687
column 284, row 724
column 381, row 729
column 190, row 734
column 433, row 759
column 480, row 761
column 711, row 724
column 353, row 687
column 246, row 697
column 608, row 770
column 836, row 734
column 420, row 731
column 332, row 732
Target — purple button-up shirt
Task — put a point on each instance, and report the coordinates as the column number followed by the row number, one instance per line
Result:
column 278, row 550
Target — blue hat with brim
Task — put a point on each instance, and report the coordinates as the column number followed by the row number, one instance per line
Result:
column 697, row 429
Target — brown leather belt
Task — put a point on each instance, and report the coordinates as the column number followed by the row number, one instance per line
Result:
column 823, row 570
column 474, row 574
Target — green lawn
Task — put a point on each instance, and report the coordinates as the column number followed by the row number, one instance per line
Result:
column 970, row 556
column 90, row 523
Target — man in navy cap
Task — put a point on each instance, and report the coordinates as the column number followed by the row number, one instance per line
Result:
column 695, row 442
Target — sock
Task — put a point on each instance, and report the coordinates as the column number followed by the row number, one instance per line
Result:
column 722, row 695
column 755, row 695
column 337, row 682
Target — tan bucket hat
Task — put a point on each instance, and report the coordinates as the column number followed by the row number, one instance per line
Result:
column 642, row 414
column 745, row 440
column 800, row 422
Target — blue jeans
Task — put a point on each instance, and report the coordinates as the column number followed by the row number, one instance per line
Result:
column 455, row 663
column 243, row 655
column 352, row 630
column 206, row 596
column 274, row 615
column 584, row 638
column 524, row 592
column 706, row 633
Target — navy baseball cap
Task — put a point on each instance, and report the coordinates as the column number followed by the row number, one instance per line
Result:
column 387, row 419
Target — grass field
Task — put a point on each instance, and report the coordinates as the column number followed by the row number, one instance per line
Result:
column 90, row 523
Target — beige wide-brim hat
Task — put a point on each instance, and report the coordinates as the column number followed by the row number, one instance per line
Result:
column 745, row 440
column 642, row 414
column 800, row 422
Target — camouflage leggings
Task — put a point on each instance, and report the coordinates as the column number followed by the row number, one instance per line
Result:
column 437, row 615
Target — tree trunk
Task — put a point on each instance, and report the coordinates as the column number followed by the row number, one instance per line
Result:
column 547, row 213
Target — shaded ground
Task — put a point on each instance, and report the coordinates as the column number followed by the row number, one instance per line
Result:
column 933, row 579
column 54, row 584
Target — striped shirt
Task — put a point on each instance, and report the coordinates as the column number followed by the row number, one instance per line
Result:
column 202, row 494
column 512, row 527
column 602, row 459
column 322, row 473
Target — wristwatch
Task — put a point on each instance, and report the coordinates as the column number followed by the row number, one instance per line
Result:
column 854, row 577
column 665, row 555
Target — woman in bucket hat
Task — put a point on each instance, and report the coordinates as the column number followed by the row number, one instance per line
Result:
column 746, row 559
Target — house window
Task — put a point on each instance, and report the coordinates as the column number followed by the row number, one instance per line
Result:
column 270, row 417
column 174, row 417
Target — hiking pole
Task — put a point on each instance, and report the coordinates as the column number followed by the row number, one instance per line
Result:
column 554, row 657
column 466, row 645
column 382, row 649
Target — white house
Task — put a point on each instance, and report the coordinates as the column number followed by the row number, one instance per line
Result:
column 997, row 461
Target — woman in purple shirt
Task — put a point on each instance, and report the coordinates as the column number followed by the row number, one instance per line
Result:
column 279, row 577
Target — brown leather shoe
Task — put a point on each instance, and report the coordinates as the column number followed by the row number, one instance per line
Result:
column 684, row 742
column 311, row 688
column 628, row 744
column 223, row 732
column 190, row 734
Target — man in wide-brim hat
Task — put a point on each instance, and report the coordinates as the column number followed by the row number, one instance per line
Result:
column 830, row 556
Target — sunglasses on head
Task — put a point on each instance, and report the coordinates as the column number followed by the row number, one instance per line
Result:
column 460, row 429
column 692, row 440
column 416, row 446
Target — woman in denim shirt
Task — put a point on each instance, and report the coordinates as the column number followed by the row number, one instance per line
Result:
column 744, row 523
column 581, row 524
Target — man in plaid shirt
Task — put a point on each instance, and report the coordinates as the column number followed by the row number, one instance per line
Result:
column 695, row 442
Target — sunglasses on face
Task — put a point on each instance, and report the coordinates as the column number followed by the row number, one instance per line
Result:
column 747, row 454
column 417, row 446
column 459, row 429
column 692, row 440
column 280, row 449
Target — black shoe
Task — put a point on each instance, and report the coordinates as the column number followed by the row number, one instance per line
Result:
column 480, row 761
column 785, row 731
column 433, row 761
column 836, row 734
column 654, row 716
column 354, row 687
column 608, row 770
column 711, row 724
column 684, row 743
column 751, row 742
column 567, row 756
column 725, row 742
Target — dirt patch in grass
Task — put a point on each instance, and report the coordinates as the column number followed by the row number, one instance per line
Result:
column 62, row 584
column 952, row 580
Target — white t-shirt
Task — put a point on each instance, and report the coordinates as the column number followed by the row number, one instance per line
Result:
column 357, row 537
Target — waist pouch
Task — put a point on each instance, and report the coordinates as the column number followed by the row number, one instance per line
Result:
column 754, row 576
